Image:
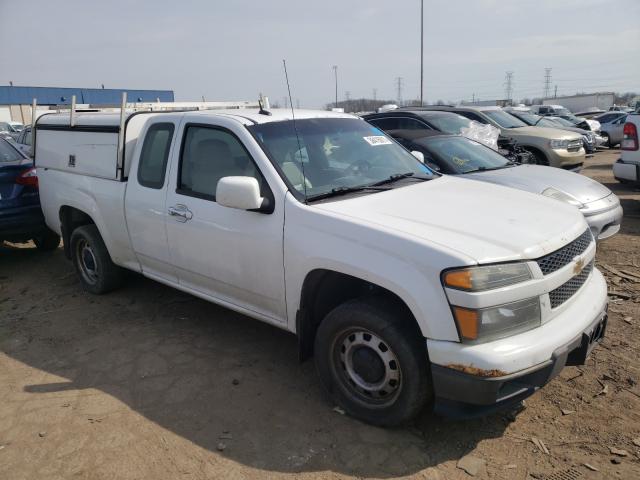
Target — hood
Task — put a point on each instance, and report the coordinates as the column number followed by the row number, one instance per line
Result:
column 577, row 130
column 487, row 223
column 536, row 178
column 544, row 132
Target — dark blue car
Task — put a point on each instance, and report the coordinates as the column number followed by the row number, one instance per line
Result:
column 21, row 217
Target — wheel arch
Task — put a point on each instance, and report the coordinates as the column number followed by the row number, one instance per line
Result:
column 325, row 289
column 70, row 219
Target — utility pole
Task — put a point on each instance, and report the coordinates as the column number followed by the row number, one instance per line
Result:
column 547, row 82
column 421, row 52
column 399, row 87
column 335, row 73
column 375, row 94
column 508, row 86
column 555, row 92
column 473, row 98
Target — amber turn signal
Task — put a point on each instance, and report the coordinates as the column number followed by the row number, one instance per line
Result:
column 458, row 279
column 468, row 321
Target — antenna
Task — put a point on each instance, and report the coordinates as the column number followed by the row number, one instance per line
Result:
column 295, row 129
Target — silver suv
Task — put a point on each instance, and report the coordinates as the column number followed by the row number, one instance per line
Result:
column 549, row 146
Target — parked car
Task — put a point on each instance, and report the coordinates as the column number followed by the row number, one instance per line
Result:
column 627, row 168
column 406, row 286
column 457, row 155
column 550, row 146
column 612, row 126
column 21, row 218
column 24, row 141
column 8, row 129
column 588, row 138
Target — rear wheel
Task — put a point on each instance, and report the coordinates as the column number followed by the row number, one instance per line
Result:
column 47, row 241
column 91, row 259
column 607, row 140
column 373, row 362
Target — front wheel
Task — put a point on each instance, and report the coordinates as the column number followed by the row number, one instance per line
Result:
column 373, row 362
column 538, row 157
column 91, row 259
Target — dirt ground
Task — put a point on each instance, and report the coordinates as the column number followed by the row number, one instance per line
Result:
column 150, row 383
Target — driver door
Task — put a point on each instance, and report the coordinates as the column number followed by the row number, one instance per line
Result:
column 234, row 256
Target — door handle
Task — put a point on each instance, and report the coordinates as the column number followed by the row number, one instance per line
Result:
column 180, row 212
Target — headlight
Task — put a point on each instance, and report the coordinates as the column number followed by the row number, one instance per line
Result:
column 483, row 325
column 559, row 144
column 486, row 277
column 562, row 196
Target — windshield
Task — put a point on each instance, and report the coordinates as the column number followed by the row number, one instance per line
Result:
column 462, row 155
column 504, row 119
column 572, row 119
column 526, row 117
column 562, row 111
column 8, row 153
column 449, row 122
column 561, row 121
column 17, row 127
column 334, row 153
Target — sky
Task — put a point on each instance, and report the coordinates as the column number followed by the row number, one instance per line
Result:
column 233, row 49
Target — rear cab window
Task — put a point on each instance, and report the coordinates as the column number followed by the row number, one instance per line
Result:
column 155, row 154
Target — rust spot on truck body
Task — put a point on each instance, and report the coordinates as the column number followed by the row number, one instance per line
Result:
column 478, row 372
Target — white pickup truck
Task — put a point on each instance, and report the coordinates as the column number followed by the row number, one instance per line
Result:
column 409, row 288
column 627, row 168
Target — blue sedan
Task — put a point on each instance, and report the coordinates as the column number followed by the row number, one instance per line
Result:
column 21, row 218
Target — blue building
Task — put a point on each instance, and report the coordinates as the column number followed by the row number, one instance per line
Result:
column 10, row 95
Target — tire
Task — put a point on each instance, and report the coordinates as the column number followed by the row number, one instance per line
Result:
column 538, row 157
column 47, row 241
column 607, row 140
column 372, row 362
column 91, row 259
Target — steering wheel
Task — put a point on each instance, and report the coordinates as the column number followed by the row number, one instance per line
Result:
column 359, row 166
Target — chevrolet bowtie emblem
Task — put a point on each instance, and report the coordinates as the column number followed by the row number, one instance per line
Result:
column 577, row 268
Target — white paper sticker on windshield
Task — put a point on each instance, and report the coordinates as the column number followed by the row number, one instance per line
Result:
column 377, row 140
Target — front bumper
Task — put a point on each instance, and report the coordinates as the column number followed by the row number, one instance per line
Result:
column 462, row 395
column 604, row 217
column 474, row 380
column 564, row 158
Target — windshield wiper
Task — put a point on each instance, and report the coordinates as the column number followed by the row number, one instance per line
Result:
column 487, row 169
column 337, row 191
column 399, row 176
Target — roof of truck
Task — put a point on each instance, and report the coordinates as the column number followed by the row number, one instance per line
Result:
column 248, row 116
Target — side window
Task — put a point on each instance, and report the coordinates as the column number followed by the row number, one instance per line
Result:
column 154, row 156
column 386, row 123
column 208, row 155
column 27, row 138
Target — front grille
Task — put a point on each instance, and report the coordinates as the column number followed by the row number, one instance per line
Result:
column 565, row 291
column 558, row 259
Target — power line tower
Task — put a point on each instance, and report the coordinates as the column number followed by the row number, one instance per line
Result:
column 399, row 86
column 547, row 82
column 508, row 86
